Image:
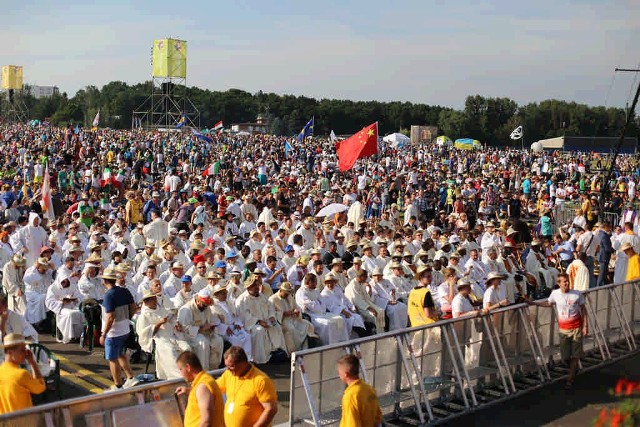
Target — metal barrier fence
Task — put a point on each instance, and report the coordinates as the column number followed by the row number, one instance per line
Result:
column 431, row 374
column 152, row 404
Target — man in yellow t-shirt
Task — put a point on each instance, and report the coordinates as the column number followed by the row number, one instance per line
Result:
column 251, row 395
column 633, row 266
column 204, row 403
column 16, row 383
column 360, row 406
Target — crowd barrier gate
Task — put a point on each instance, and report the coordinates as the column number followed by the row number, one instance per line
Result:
column 432, row 374
column 423, row 376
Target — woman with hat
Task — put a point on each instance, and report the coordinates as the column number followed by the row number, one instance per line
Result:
column 462, row 304
column 13, row 283
column 420, row 306
column 17, row 383
column 494, row 295
column 296, row 330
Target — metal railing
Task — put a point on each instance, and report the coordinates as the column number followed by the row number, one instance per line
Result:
column 151, row 404
column 431, row 374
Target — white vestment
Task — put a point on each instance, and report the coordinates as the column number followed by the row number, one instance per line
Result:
column 69, row 320
column 295, row 329
column 12, row 282
column 330, row 327
column 207, row 345
column 32, row 239
column 336, row 303
column 383, row 296
column 231, row 328
column 263, row 340
column 622, row 260
column 357, row 294
column 169, row 341
column 36, row 286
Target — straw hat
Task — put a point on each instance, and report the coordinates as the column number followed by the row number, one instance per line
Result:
column 219, row 288
column 123, row 267
column 109, row 274
column 12, row 340
column 463, row 282
column 422, row 269
column 286, row 286
column 19, row 260
column 148, row 293
column 43, row 262
column 626, row 246
column 213, row 275
column 495, row 275
column 155, row 259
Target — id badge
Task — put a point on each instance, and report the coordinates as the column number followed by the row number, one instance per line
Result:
column 230, row 408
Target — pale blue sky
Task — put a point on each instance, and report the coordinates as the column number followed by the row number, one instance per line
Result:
column 434, row 52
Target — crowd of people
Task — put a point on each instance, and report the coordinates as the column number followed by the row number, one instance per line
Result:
column 207, row 242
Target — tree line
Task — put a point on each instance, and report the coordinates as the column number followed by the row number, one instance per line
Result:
column 490, row 120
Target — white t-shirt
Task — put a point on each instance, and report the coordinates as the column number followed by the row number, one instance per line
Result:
column 460, row 305
column 568, row 305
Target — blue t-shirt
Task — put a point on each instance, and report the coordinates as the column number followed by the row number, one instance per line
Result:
column 117, row 300
column 526, row 186
column 546, row 229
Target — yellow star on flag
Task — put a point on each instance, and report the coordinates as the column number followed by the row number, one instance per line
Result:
column 370, row 133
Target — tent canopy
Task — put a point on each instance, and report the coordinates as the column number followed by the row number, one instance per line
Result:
column 397, row 140
column 444, row 140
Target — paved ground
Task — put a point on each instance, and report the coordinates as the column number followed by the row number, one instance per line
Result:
column 86, row 373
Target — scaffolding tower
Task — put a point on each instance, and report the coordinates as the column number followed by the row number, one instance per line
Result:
column 13, row 109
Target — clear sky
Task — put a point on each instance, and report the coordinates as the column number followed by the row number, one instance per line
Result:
column 434, row 52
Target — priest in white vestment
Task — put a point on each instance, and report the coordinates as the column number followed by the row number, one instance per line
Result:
column 13, row 284
column 37, row 280
column 31, row 239
column 356, row 293
column 329, row 326
column 383, row 293
column 199, row 324
column 231, row 328
column 63, row 299
column 332, row 296
column 259, row 318
column 295, row 328
column 157, row 324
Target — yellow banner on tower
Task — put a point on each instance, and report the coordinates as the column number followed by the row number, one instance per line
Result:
column 170, row 58
column 12, row 77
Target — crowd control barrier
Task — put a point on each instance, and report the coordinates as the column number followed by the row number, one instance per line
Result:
column 423, row 376
column 432, row 374
column 153, row 404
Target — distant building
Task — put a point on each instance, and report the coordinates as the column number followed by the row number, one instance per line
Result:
column 598, row 144
column 43, row 91
column 259, row 127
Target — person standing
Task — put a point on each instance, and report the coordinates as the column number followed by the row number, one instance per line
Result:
column 633, row 267
column 16, row 383
column 420, row 305
column 572, row 322
column 360, row 406
column 251, row 395
column 118, row 307
column 205, row 406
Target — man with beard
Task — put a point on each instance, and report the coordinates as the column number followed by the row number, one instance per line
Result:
column 63, row 299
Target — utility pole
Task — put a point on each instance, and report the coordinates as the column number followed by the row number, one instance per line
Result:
column 604, row 189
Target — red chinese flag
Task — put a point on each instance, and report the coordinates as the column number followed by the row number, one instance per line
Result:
column 362, row 144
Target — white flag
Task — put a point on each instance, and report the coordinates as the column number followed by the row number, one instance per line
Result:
column 517, row 133
column 46, row 203
column 96, row 119
column 332, row 136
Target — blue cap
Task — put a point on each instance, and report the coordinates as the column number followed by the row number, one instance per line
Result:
column 232, row 254
column 220, row 264
column 186, row 278
column 288, row 248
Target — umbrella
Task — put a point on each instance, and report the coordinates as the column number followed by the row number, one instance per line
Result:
column 332, row 209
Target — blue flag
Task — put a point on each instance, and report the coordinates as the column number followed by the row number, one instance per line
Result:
column 287, row 147
column 306, row 131
column 199, row 135
column 182, row 121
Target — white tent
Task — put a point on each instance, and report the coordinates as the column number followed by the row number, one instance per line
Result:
column 397, row 139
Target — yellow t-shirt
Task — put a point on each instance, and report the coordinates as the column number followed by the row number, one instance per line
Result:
column 245, row 396
column 192, row 412
column 16, row 387
column 633, row 268
column 416, row 304
column 360, row 407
